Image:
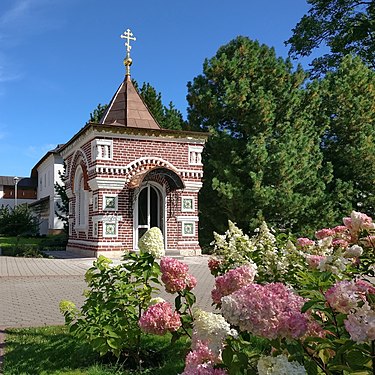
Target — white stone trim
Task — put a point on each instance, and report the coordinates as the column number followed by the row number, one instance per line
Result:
column 187, row 218
column 106, row 218
column 195, row 155
column 94, row 243
column 107, row 183
column 193, row 186
column 101, row 149
column 188, row 242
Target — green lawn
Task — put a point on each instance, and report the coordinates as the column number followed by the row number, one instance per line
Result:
column 53, row 351
column 14, row 241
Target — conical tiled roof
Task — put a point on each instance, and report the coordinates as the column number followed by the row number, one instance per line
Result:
column 128, row 109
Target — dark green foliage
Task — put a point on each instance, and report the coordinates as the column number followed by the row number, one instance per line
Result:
column 349, row 141
column 18, row 221
column 263, row 159
column 345, row 26
column 62, row 211
column 98, row 113
column 117, row 296
column 168, row 117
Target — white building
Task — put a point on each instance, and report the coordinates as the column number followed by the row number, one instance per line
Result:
column 47, row 172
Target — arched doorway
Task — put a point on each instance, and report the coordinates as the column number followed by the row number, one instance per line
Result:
column 149, row 210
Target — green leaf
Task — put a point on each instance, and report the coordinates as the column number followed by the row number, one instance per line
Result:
column 227, row 356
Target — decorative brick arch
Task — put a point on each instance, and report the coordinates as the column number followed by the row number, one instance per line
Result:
column 146, row 163
column 79, row 159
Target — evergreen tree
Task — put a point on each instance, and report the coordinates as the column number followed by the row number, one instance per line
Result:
column 345, row 26
column 98, row 113
column 349, row 142
column 167, row 117
column 153, row 101
column 263, row 159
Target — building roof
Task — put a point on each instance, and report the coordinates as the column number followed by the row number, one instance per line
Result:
column 55, row 151
column 22, row 182
column 128, row 109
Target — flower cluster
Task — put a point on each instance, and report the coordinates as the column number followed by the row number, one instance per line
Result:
column 361, row 324
column 233, row 280
column 211, row 329
column 270, row 311
column 152, row 242
column 158, row 319
column 345, row 295
column 201, row 360
column 279, row 366
column 275, row 260
column 175, row 275
column 358, row 222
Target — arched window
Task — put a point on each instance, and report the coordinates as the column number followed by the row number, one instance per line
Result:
column 149, row 210
column 81, row 207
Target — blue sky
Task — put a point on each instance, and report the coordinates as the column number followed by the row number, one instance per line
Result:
column 60, row 58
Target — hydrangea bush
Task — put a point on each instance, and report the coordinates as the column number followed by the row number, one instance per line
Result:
column 320, row 320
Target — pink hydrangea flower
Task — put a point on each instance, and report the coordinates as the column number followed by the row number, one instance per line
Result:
column 323, row 233
column 175, row 275
column 340, row 229
column 213, row 265
column 361, row 324
column 200, row 354
column 345, row 295
column 270, row 311
column 358, row 222
column 158, row 319
column 232, row 281
column 339, row 242
column 304, row 242
column 314, row 260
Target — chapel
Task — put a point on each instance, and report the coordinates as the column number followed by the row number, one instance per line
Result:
column 126, row 174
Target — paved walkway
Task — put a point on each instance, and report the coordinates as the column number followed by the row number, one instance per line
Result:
column 31, row 288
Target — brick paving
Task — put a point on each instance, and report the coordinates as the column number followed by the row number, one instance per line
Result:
column 31, row 289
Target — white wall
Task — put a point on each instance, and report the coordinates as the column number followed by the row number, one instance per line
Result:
column 47, row 177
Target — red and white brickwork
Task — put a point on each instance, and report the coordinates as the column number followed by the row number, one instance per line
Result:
column 107, row 167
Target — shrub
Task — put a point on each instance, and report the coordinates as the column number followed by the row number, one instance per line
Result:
column 17, row 221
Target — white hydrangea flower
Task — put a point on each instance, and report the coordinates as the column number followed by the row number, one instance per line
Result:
column 152, row 242
column 212, row 329
column 279, row 366
column 353, row 251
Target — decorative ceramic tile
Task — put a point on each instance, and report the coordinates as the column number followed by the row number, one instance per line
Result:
column 109, row 202
column 110, row 229
column 187, row 204
column 188, row 229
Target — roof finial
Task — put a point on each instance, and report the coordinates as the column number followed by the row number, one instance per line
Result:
column 128, row 35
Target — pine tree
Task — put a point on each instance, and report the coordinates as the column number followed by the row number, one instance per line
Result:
column 263, row 160
column 349, row 142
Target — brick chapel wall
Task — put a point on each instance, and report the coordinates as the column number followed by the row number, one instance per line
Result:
column 124, row 153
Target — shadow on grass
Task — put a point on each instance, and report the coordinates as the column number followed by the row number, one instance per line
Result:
column 52, row 350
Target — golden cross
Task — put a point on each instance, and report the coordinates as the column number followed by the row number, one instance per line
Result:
column 128, row 35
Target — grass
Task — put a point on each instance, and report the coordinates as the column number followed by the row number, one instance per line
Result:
column 14, row 241
column 31, row 246
column 53, row 351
